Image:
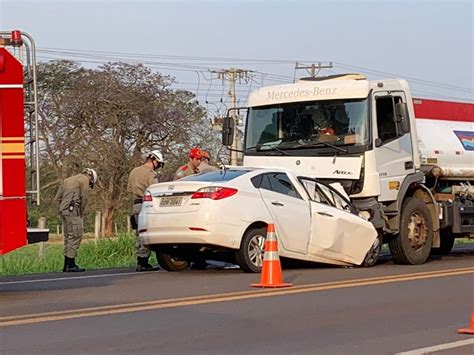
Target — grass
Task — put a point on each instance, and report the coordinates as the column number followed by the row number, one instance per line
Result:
column 107, row 253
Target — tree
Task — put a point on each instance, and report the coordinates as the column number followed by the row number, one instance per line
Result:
column 108, row 118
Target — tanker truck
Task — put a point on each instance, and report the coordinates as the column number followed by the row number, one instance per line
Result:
column 406, row 163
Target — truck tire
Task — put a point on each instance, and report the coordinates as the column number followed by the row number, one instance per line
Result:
column 413, row 244
column 373, row 253
column 170, row 264
column 250, row 255
column 446, row 244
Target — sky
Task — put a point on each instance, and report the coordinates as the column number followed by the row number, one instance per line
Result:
column 430, row 43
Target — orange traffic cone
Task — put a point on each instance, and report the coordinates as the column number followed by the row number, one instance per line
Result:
column 271, row 275
column 469, row 330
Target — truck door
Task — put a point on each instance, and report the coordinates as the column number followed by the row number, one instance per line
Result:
column 393, row 149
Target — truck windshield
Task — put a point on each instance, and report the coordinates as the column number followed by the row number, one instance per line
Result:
column 312, row 124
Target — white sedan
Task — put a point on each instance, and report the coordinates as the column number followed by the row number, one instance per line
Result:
column 223, row 216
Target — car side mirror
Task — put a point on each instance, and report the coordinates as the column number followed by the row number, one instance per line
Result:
column 402, row 118
column 227, row 131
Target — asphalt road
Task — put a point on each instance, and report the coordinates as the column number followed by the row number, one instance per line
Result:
column 386, row 309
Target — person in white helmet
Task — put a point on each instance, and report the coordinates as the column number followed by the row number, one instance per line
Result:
column 72, row 200
column 138, row 181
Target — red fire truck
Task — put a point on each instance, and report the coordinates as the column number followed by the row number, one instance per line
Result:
column 19, row 153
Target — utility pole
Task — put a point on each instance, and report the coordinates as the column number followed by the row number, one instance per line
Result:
column 312, row 68
column 232, row 75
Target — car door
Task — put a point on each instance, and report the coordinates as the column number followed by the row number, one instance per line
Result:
column 290, row 212
column 336, row 232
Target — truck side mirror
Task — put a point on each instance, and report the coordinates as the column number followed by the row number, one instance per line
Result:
column 227, row 131
column 402, row 118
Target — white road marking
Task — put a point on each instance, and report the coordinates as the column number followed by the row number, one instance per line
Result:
column 431, row 349
column 72, row 278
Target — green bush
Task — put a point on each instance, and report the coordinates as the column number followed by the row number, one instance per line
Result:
column 107, row 253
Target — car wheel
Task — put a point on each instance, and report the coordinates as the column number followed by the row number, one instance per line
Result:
column 413, row 244
column 373, row 253
column 250, row 255
column 169, row 263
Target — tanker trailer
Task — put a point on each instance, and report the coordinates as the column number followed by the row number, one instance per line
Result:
column 446, row 145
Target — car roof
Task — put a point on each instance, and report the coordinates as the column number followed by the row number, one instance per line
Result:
column 261, row 170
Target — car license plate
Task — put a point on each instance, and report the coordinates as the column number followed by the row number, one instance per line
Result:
column 171, row 201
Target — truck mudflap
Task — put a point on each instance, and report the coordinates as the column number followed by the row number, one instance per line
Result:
column 36, row 235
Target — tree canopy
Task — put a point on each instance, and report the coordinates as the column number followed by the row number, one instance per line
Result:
column 107, row 118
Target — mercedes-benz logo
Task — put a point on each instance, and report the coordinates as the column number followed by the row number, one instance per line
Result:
column 171, row 187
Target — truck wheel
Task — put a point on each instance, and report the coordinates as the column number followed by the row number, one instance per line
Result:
column 170, row 264
column 373, row 253
column 413, row 244
column 446, row 244
column 250, row 255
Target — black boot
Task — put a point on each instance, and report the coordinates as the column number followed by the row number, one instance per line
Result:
column 66, row 263
column 72, row 267
column 143, row 265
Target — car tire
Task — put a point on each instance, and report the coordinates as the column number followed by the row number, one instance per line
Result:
column 171, row 264
column 250, row 255
column 373, row 253
column 413, row 244
column 446, row 244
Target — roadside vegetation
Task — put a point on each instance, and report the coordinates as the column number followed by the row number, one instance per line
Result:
column 105, row 254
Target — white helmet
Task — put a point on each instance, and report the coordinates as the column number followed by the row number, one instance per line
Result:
column 156, row 154
column 92, row 173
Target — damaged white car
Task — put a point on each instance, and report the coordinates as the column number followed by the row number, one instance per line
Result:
column 223, row 216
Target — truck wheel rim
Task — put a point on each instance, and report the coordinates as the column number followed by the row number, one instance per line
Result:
column 417, row 231
column 256, row 249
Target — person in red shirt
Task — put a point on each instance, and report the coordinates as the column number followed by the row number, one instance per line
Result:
column 192, row 167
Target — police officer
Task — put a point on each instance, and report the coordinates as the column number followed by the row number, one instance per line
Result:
column 205, row 166
column 138, row 181
column 194, row 159
column 72, row 199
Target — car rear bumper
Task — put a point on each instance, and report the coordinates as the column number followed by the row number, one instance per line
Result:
column 188, row 228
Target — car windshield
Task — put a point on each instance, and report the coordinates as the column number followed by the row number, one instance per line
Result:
column 221, row 175
column 308, row 124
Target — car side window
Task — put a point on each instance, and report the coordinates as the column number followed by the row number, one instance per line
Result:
column 334, row 198
column 310, row 187
column 314, row 193
column 257, row 181
column 280, row 183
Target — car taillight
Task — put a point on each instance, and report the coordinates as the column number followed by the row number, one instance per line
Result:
column 147, row 197
column 214, row 193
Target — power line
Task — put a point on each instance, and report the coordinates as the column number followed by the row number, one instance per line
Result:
column 247, row 61
column 271, row 77
column 421, row 81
